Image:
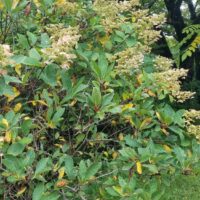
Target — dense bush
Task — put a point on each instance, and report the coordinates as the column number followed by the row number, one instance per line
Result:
column 86, row 108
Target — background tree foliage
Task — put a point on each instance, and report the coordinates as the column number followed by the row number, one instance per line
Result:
column 88, row 109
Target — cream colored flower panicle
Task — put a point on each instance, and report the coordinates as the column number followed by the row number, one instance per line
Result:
column 192, row 118
column 5, row 53
column 170, row 80
column 110, row 12
column 67, row 6
column 64, row 40
column 130, row 59
column 145, row 24
column 163, row 63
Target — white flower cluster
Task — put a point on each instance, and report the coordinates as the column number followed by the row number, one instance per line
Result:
column 64, row 40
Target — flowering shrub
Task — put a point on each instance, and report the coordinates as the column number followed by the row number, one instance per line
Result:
column 86, row 108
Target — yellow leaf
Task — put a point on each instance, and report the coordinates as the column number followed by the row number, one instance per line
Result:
column 51, row 125
column 2, row 139
column 121, row 137
column 61, row 173
column 165, row 131
column 113, row 123
column 167, row 148
column 145, row 122
column 73, row 103
column 26, row 118
column 127, row 106
column 11, row 97
column 17, row 107
column 8, row 136
column 1, row 5
column 158, row 116
column 104, row 39
column 114, row 155
column 139, row 167
column 61, row 183
column 105, row 153
column 18, row 69
column 21, row 191
column 118, row 189
column 14, row 4
column 139, row 78
column 37, row 3
column 58, row 145
column 42, row 102
column 151, row 94
column 5, row 122
column 133, row 19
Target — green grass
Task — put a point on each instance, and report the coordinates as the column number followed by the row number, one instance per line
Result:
column 184, row 188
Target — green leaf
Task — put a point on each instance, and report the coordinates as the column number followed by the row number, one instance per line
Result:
column 20, row 59
column 8, row 4
column 82, row 169
column 103, row 65
column 30, row 157
column 33, row 53
column 11, row 79
column 38, row 192
column 51, row 196
column 66, row 81
column 57, row 116
column 69, row 167
column 49, row 75
column 96, row 96
column 45, row 40
column 41, row 166
column 11, row 163
column 16, row 149
column 32, row 38
column 23, row 41
column 92, row 170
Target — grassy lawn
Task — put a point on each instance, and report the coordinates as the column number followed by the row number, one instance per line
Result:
column 184, row 188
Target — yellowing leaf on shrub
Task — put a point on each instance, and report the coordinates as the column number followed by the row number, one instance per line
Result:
column 73, row 103
column 165, row 131
column 21, row 191
column 8, row 136
column 14, row 3
column 2, row 139
column 167, row 148
column 37, row 3
column 5, row 122
column 17, row 107
column 104, row 39
column 114, row 155
column 121, row 137
column 139, row 167
column 18, row 69
column 35, row 102
column 158, row 116
column 105, row 153
column 61, row 183
column 145, row 122
column 127, row 106
column 139, row 78
column 51, row 125
column 61, row 173
column 118, row 189
column 1, row 5
column 11, row 97
column 151, row 94
column 133, row 19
